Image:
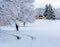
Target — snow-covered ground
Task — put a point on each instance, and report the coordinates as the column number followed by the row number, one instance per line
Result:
column 42, row 33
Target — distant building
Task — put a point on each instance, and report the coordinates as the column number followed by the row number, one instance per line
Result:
column 40, row 17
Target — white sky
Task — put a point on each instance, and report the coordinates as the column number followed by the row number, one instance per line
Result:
column 42, row 3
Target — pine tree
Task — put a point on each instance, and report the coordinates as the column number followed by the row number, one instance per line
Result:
column 46, row 11
column 49, row 13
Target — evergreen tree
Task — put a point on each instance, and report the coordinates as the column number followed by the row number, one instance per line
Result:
column 49, row 13
column 46, row 11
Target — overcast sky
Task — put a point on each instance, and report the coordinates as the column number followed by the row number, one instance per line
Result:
column 42, row 3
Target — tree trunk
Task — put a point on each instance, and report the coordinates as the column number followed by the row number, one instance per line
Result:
column 24, row 24
column 17, row 28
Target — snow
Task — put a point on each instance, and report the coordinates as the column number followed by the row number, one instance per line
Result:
column 41, row 33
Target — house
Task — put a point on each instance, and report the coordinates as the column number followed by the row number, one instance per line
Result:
column 40, row 17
